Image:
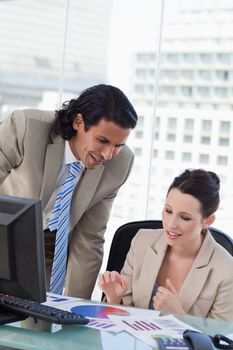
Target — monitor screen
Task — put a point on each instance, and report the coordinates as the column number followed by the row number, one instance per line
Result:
column 22, row 262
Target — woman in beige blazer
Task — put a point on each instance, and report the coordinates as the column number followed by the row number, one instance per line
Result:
column 179, row 269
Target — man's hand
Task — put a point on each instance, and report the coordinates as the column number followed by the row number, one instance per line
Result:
column 113, row 285
column 166, row 299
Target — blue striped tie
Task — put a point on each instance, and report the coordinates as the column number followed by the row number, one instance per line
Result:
column 59, row 221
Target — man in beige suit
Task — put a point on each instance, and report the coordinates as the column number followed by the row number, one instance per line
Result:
column 35, row 148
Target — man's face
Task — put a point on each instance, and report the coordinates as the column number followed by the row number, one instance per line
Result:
column 99, row 143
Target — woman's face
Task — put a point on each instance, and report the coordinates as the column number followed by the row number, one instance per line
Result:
column 182, row 218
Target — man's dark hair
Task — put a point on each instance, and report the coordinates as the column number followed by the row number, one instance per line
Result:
column 203, row 185
column 96, row 103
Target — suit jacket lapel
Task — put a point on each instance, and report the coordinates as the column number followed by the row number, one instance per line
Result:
column 52, row 166
column 84, row 192
column 198, row 274
column 150, row 269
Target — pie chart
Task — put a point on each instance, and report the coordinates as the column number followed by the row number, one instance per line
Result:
column 99, row 311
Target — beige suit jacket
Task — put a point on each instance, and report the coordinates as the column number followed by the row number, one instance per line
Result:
column 208, row 288
column 31, row 156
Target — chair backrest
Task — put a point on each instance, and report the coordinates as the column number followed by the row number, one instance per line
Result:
column 125, row 233
column 122, row 240
column 223, row 239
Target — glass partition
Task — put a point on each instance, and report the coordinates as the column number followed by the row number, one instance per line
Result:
column 173, row 58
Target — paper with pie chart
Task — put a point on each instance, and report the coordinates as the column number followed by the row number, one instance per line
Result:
column 99, row 311
column 99, row 314
column 95, row 310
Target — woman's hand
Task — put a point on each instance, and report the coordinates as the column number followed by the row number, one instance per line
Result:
column 167, row 300
column 113, row 285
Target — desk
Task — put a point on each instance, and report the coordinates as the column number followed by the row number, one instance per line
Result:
column 83, row 338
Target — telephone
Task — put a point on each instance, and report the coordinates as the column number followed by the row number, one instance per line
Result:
column 192, row 340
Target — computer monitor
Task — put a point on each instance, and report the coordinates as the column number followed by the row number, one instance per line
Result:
column 22, row 262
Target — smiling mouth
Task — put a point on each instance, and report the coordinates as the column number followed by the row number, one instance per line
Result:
column 173, row 235
column 96, row 159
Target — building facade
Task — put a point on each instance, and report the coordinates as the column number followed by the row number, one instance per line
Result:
column 193, row 125
column 48, row 43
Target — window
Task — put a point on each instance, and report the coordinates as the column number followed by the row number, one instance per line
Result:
column 186, row 156
column 146, row 57
column 138, row 151
column 186, row 91
column 141, row 73
column 221, row 92
column 206, row 125
column 171, row 137
column 157, row 122
column 188, row 138
column 222, row 160
column 139, row 134
column 188, row 124
column 204, row 158
column 189, row 57
column 205, row 74
column 205, row 140
column 206, row 58
column 150, row 89
column 155, row 153
column 172, row 58
column 170, row 74
column 140, row 121
column 171, row 124
column 222, row 75
column 225, row 126
column 139, row 88
column 152, row 73
column 223, row 141
column 188, row 74
column 169, row 155
column 167, row 90
column 224, row 58
column 223, row 179
column 203, row 91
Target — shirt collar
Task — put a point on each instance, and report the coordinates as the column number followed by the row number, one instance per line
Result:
column 69, row 156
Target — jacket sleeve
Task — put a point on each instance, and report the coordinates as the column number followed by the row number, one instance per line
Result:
column 222, row 307
column 86, row 246
column 12, row 131
column 86, row 250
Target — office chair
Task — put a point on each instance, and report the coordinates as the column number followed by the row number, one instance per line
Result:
column 222, row 238
column 122, row 240
column 125, row 233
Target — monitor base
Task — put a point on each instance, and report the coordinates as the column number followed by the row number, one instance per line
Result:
column 9, row 317
column 40, row 325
